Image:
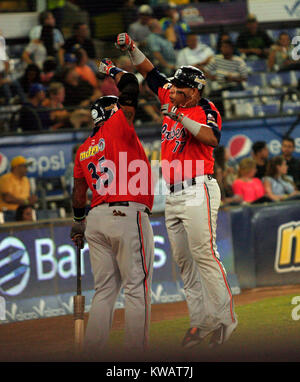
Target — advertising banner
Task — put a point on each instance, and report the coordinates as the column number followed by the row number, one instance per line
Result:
column 275, row 10
column 212, row 13
column 38, row 269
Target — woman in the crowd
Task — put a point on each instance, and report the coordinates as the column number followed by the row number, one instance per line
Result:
column 278, row 185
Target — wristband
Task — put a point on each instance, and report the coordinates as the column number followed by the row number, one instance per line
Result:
column 192, row 126
column 137, row 57
column 79, row 214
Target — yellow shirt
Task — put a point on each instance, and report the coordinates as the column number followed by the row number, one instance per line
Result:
column 19, row 188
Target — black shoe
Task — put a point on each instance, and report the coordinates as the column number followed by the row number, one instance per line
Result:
column 222, row 334
column 191, row 338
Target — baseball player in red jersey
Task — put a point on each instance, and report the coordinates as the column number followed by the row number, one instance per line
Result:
column 113, row 164
column 191, row 129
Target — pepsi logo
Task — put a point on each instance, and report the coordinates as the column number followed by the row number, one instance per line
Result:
column 3, row 163
column 14, row 266
column 239, row 146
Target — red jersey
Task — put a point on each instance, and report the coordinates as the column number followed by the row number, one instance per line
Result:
column 178, row 144
column 114, row 164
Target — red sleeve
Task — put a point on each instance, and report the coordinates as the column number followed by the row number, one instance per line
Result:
column 78, row 172
column 163, row 93
column 259, row 187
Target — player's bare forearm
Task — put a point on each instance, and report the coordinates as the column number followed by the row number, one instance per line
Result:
column 145, row 67
column 206, row 136
column 79, row 193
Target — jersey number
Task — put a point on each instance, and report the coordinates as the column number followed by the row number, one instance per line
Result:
column 103, row 175
column 179, row 145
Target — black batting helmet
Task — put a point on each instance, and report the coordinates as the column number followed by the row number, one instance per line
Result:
column 188, row 77
column 104, row 108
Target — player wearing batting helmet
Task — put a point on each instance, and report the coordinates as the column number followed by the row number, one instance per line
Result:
column 117, row 228
column 191, row 129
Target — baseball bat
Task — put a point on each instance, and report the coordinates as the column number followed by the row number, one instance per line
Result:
column 78, row 303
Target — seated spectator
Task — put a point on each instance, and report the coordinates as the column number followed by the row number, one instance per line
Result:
column 278, row 185
column 129, row 13
column 15, row 186
column 25, row 213
column 35, row 53
column 227, row 71
column 148, row 108
column 161, row 50
column 125, row 63
column 287, row 148
column 61, row 117
column 85, row 72
column 49, row 71
column 195, row 54
column 280, row 55
column 254, row 42
column 32, row 75
column 31, row 116
column 10, row 88
column 175, row 30
column 81, row 37
column 251, row 189
column 227, row 164
column 260, row 154
column 52, row 37
column 139, row 30
column 78, row 91
column 224, row 36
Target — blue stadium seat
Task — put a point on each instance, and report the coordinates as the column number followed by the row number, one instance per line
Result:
column 205, row 39
column 291, row 107
column 233, row 36
column 257, row 79
column 257, row 65
column 264, row 110
column 272, row 95
column 50, row 214
column 278, row 80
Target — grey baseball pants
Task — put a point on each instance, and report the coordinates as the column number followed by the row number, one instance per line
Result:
column 191, row 218
column 121, row 248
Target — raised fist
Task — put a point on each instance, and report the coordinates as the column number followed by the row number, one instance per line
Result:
column 105, row 66
column 124, row 42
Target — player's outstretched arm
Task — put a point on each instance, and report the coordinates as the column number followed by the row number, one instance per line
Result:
column 140, row 61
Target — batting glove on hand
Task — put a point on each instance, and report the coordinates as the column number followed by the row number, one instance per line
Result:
column 105, row 66
column 173, row 114
column 77, row 232
column 124, row 42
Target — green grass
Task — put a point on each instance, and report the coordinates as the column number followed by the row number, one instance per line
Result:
column 266, row 332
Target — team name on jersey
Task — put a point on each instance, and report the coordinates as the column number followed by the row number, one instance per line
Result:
column 92, row 150
column 174, row 133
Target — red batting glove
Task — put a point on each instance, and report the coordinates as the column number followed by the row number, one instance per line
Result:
column 124, row 42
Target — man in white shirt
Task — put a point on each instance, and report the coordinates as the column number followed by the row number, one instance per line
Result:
column 195, row 54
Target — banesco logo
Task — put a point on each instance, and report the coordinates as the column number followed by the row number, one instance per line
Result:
column 14, row 266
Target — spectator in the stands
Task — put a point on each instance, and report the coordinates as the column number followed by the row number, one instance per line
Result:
column 60, row 116
column 49, row 71
column 51, row 36
column 280, row 55
column 125, row 63
column 278, row 185
column 225, row 36
column 253, row 41
column 139, row 30
column 10, row 88
column 249, row 187
column 196, row 54
column 15, row 186
column 287, row 149
column 260, row 154
column 83, row 69
column 35, row 52
column 129, row 13
column 227, row 72
column 32, row 116
column 25, row 213
column 175, row 30
column 32, row 75
column 78, row 91
column 80, row 38
column 160, row 49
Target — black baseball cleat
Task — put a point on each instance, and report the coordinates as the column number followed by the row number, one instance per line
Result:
column 222, row 334
column 191, row 338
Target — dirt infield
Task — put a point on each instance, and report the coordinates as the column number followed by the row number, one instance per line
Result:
column 51, row 339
